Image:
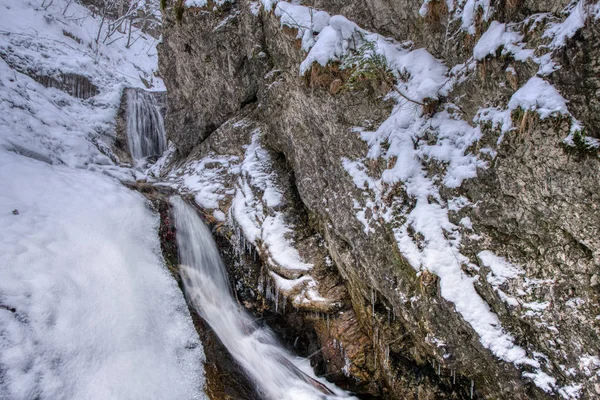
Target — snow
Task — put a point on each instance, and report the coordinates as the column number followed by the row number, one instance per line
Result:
column 256, row 165
column 97, row 315
column 327, row 48
column 274, row 232
column 255, row 8
column 307, row 20
column 570, row 392
column 501, row 270
column 560, row 32
column 256, row 200
column 496, row 37
column 333, row 42
column 257, row 222
column 540, row 96
column 205, row 179
column 408, row 140
column 203, row 3
column 269, row 4
column 467, row 223
column 286, row 286
column 87, row 307
column 468, row 12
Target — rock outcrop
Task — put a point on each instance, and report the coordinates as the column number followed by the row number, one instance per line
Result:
column 310, row 168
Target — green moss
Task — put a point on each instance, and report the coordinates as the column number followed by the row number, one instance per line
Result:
column 580, row 145
column 366, row 66
column 163, row 4
column 179, row 9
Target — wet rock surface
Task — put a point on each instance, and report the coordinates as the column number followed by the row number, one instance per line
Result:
column 387, row 331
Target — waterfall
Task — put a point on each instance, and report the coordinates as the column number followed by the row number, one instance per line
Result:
column 277, row 373
column 145, row 125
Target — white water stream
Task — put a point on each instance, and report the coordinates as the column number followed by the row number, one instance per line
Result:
column 278, row 374
column 145, row 125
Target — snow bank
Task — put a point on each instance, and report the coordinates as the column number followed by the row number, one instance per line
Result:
column 501, row 270
column 560, row 32
column 258, row 221
column 307, row 20
column 496, row 37
column 88, row 309
column 540, row 96
column 256, row 200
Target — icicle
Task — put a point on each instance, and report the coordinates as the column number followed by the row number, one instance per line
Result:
column 375, row 334
column 296, row 341
column 373, row 301
column 454, row 378
column 387, row 355
column 472, row 387
column 439, row 369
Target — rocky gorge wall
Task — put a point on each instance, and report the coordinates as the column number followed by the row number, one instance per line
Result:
column 420, row 208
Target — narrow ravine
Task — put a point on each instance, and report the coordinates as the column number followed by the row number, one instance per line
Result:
column 278, row 374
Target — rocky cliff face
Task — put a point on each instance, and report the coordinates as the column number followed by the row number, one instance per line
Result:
column 413, row 191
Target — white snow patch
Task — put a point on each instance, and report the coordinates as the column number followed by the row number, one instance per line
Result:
column 540, row 96
column 203, row 3
column 205, row 178
column 571, row 392
column 468, row 12
column 255, row 8
column 497, row 36
column 97, row 315
column 308, row 21
column 560, row 32
column 274, row 232
column 501, row 270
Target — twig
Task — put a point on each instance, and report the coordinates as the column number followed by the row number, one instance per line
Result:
column 406, row 97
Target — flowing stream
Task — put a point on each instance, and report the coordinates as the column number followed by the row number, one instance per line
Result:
column 277, row 373
column 145, row 125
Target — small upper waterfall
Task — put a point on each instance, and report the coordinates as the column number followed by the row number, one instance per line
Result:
column 145, row 125
column 278, row 374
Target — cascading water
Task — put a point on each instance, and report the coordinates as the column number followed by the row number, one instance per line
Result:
column 278, row 374
column 145, row 125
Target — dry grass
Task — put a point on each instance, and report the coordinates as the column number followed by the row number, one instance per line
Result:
column 292, row 32
column 437, row 10
column 524, row 119
column 512, row 79
column 512, row 7
column 335, row 86
column 324, row 77
column 428, row 283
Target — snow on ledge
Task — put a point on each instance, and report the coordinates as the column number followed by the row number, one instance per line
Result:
column 540, row 96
